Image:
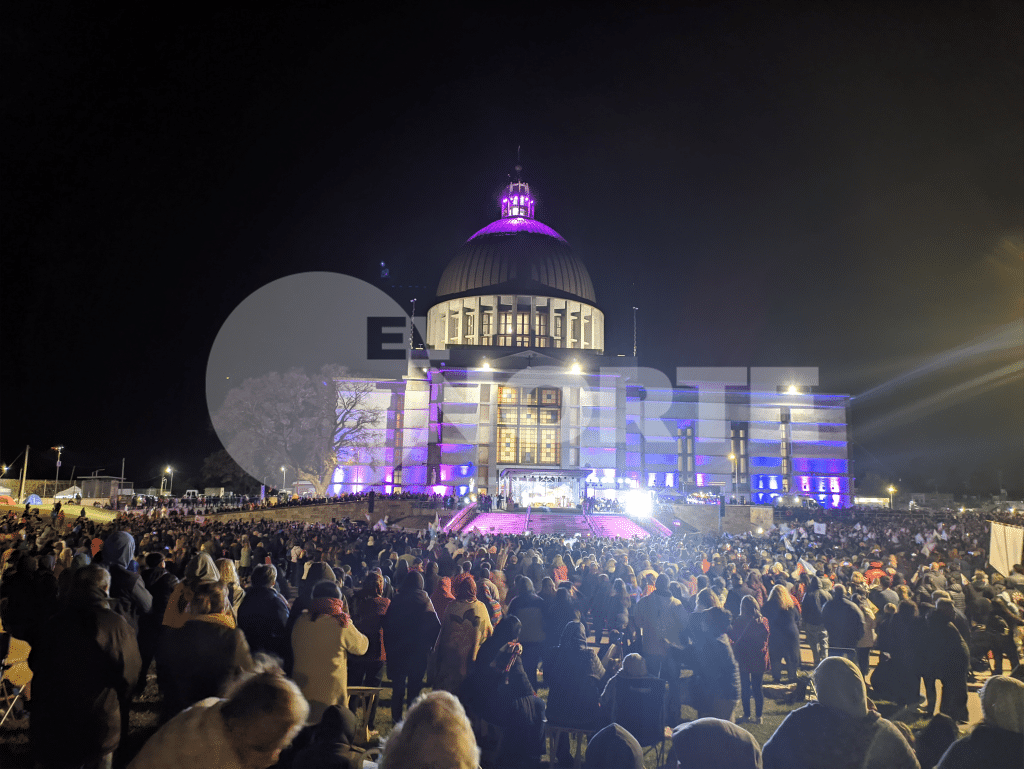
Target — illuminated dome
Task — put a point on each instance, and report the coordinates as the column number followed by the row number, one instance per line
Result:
column 516, row 283
column 517, row 255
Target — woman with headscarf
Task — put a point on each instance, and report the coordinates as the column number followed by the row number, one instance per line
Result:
column 322, row 639
column 466, row 624
column 442, row 595
column 998, row 740
column 574, row 677
column 838, row 731
column 410, row 630
column 368, row 611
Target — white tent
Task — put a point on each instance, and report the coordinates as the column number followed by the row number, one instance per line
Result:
column 71, row 493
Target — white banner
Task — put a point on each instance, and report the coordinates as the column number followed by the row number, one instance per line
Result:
column 819, row 528
column 1005, row 547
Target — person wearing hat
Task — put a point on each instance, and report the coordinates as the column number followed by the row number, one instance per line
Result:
column 838, row 731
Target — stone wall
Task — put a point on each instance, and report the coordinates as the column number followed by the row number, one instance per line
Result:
column 738, row 518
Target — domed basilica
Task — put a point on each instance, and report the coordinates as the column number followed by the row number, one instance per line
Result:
column 513, row 395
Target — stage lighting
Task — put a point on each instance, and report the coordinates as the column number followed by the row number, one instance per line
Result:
column 638, row 503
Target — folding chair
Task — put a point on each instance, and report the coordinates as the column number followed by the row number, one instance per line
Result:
column 10, row 691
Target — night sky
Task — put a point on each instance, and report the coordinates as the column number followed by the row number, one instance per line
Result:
column 827, row 184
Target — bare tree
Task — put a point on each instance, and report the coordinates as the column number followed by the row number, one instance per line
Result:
column 307, row 423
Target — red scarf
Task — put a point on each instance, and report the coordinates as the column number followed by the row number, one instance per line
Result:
column 333, row 607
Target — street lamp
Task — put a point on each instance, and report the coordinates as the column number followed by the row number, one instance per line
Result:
column 735, row 476
column 170, row 490
column 284, row 475
column 58, row 449
column 892, row 490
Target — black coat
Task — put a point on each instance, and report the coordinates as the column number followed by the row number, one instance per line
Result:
column 199, row 660
column 85, row 662
column 262, row 616
column 844, row 622
column 410, row 629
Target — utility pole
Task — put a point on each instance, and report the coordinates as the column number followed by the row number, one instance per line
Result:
column 24, row 469
column 634, row 331
column 58, row 449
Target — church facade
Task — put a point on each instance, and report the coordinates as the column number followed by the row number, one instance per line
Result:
column 513, row 394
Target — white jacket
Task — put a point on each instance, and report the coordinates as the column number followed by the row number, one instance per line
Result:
column 195, row 738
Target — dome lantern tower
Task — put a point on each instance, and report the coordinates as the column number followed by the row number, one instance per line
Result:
column 516, row 201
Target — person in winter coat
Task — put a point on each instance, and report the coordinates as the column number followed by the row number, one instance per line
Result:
column 499, row 691
column 466, row 624
column 711, row 743
column 558, row 613
column 410, row 628
column 838, row 731
column 30, row 598
column 323, row 638
column 715, row 668
column 260, row 716
column 867, row 641
column 442, row 595
column 202, row 657
column 529, row 608
column 128, row 593
column 947, row 658
column 784, row 641
column 200, row 570
column 574, row 697
column 233, row 588
column 844, row 622
column 80, row 698
column 750, row 642
column 811, row 605
column 368, row 610
column 614, row 748
column 160, row 583
column 998, row 741
column 328, row 745
column 263, row 613
column 658, row 617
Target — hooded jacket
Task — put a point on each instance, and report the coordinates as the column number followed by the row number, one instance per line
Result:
column 838, row 731
column 614, row 748
column 128, row 594
column 575, row 676
column 710, row 743
column 999, row 739
column 201, row 569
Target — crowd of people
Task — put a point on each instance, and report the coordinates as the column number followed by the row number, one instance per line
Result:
column 257, row 629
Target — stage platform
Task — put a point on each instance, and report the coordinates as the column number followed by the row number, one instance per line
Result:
column 565, row 521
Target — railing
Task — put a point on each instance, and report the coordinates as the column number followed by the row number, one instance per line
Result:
column 459, row 519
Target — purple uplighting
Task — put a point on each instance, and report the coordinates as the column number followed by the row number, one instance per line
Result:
column 517, row 224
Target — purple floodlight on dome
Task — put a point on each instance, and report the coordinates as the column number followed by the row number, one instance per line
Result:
column 517, row 224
